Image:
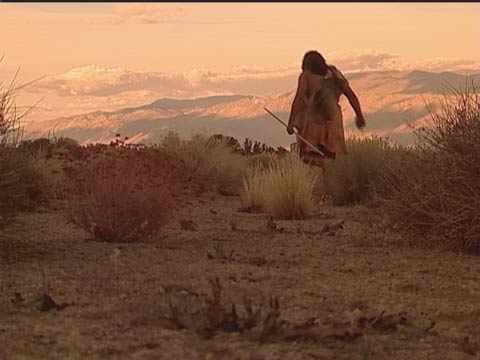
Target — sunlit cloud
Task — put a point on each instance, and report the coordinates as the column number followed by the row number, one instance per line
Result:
column 374, row 61
column 98, row 81
column 367, row 61
column 93, row 80
column 144, row 14
column 441, row 64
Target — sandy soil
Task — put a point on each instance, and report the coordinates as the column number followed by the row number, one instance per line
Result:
column 117, row 293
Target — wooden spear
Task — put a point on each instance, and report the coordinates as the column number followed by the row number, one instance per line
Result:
column 317, row 150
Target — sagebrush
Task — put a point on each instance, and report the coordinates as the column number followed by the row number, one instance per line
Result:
column 351, row 179
column 21, row 186
column 125, row 195
column 433, row 193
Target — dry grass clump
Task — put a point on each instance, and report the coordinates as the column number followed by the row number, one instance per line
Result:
column 71, row 146
column 262, row 161
column 50, row 147
column 10, row 131
column 434, row 192
column 125, row 195
column 252, row 195
column 21, row 186
column 283, row 189
column 351, row 179
column 37, row 146
column 47, row 158
column 215, row 165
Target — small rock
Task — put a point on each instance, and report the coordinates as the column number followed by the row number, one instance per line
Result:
column 331, row 229
column 188, row 225
column 46, row 303
column 17, row 299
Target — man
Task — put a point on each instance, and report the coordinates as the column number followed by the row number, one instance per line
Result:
column 316, row 113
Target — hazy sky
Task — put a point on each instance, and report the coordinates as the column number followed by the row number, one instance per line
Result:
column 93, row 51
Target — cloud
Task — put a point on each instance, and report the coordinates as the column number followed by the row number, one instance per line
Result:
column 367, row 61
column 442, row 64
column 98, row 81
column 49, row 21
column 375, row 61
column 144, row 14
column 197, row 77
column 93, row 80
column 262, row 71
column 93, row 87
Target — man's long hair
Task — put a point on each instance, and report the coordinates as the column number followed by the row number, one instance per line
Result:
column 315, row 62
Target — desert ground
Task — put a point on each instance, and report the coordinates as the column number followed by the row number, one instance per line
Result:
column 346, row 289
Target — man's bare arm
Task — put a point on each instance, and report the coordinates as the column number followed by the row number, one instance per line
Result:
column 355, row 103
column 298, row 102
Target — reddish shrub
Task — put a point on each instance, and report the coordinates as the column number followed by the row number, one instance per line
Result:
column 125, row 195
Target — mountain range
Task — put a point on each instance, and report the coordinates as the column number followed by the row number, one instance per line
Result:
column 393, row 102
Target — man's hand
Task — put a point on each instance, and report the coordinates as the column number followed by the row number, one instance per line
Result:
column 360, row 122
column 290, row 129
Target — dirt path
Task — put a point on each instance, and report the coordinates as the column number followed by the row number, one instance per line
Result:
column 118, row 292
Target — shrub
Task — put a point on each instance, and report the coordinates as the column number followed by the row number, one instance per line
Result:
column 250, row 147
column 284, row 189
column 37, row 146
column 214, row 163
column 21, row 187
column 352, row 178
column 47, row 156
column 434, row 192
column 125, row 195
column 69, row 146
column 10, row 131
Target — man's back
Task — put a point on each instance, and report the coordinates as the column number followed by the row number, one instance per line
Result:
column 322, row 93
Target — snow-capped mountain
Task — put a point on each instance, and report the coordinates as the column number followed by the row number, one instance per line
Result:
column 391, row 100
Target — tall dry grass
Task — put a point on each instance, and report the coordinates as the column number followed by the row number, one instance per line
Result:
column 10, row 130
column 433, row 193
column 50, row 146
column 21, row 186
column 215, row 165
column 284, row 188
column 252, row 195
column 351, row 179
